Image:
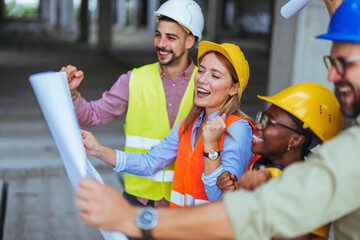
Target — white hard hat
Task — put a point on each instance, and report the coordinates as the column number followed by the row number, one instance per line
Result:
column 186, row 12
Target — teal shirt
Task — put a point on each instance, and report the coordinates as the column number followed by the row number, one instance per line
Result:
column 307, row 195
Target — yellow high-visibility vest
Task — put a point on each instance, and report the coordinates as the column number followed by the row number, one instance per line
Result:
column 147, row 123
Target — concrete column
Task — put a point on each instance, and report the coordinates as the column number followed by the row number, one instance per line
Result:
column 104, row 32
column 49, row 13
column 120, row 13
column 296, row 56
column 67, row 22
column 152, row 6
column 230, row 15
column 84, row 21
column 45, row 10
column 134, row 19
column 213, row 19
column 2, row 9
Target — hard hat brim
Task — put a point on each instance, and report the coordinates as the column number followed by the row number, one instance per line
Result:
column 206, row 46
column 279, row 103
column 274, row 100
column 268, row 99
column 339, row 37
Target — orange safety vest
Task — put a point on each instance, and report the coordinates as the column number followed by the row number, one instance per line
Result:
column 188, row 188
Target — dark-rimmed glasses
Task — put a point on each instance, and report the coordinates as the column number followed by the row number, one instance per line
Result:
column 339, row 63
column 264, row 120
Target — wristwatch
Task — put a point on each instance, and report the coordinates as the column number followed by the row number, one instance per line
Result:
column 212, row 155
column 146, row 219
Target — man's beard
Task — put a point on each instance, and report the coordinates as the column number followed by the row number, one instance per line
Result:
column 354, row 111
column 174, row 58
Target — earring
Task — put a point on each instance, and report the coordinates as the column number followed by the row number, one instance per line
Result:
column 288, row 148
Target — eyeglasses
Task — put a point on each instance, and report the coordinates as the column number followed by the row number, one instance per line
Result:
column 264, row 119
column 339, row 63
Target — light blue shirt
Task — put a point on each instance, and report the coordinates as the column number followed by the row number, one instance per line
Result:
column 235, row 155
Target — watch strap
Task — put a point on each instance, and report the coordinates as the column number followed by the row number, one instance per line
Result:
column 146, row 234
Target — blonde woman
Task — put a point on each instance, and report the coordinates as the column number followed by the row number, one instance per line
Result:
column 218, row 85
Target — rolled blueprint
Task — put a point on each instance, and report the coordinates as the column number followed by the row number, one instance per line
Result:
column 293, row 7
column 52, row 92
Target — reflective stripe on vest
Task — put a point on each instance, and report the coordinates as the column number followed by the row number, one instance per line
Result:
column 162, row 176
column 147, row 123
column 179, row 199
column 188, row 187
column 148, row 143
column 140, row 142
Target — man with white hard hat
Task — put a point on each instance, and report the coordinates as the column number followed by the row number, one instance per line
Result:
column 154, row 97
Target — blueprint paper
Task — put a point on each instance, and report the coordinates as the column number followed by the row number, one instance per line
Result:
column 52, row 92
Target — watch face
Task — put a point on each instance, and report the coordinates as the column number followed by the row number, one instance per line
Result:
column 147, row 218
column 213, row 154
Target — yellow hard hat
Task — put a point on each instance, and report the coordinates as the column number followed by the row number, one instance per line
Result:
column 313, row 104
column 234, row 54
